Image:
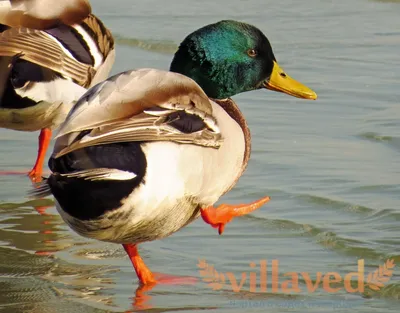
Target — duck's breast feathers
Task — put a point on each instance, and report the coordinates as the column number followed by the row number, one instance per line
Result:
column 140, row 105
column 43, row 14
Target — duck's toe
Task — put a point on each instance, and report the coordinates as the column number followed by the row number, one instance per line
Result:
column 218, row 217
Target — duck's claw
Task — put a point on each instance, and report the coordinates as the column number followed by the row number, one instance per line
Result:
column 223, row 214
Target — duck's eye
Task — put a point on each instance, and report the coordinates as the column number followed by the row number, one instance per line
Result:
column 252, row 53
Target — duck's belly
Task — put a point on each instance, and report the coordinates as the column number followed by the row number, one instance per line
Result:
column 120, row 227
column 180, row 179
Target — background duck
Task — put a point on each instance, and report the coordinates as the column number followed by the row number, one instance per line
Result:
column 50, row 53
column 146, row 152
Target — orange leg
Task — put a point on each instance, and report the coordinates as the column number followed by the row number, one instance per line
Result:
column 142, row 271
column 44, row 140
column 220, row 216
column 147, row 278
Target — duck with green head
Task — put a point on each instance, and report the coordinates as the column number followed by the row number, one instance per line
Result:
column 146, row 152
column 230, row 57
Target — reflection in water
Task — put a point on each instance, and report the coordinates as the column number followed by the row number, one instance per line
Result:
column 32, row 283
column 142, row 299
column 31, row 275
column 33, row 278
column 24, row 229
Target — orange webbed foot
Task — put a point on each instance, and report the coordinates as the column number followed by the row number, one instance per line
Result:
column 223, row 214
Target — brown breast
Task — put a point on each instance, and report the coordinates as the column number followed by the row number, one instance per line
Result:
column 233, row 110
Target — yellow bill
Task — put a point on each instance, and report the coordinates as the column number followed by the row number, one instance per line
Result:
column 280, row 81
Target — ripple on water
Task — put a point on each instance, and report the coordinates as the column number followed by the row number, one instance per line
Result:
column 159, row 46
column 376, row 137
column 392, row 142
column 335, row 204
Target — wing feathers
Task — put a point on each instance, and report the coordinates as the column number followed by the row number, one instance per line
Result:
column 143, row 105
column 130, row 93
column 39, row 48
column 145, row 128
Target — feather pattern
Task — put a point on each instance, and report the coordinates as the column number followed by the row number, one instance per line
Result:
column 31, row 44
column 105, row 111
column 41, row 48
column 130, row 93
column 102, row 174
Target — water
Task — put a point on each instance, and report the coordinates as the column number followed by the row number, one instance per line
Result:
column 332, row 168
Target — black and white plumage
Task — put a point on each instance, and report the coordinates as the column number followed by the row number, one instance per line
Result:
column 50, row 53
column 140, row 154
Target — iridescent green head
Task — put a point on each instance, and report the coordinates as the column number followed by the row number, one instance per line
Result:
column 230, row 57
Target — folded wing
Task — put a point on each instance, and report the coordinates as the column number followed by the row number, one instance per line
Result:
column 142, row 105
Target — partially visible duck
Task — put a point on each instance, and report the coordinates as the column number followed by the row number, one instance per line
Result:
column 50, row 53
column 146, row 152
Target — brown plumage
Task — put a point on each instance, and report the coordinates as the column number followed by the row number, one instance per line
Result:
column 234, row 112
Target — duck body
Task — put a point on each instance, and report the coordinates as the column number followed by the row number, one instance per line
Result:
column 146, row 152
column 46, row 69
column 162, row 184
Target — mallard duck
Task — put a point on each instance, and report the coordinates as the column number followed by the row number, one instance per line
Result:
column 49, row 55
column 146, row 152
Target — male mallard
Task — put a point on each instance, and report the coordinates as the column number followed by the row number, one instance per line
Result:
column 146, row 152
column 49, row 54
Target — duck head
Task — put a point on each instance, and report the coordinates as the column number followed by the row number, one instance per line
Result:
column 230, row 57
